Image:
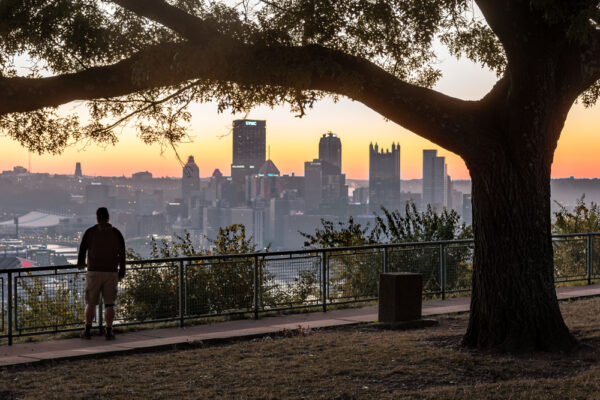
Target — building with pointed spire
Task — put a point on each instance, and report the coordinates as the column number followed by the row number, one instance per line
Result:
column 266, row 184
column 190, row 179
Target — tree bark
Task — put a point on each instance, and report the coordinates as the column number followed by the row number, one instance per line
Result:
column 514, row 307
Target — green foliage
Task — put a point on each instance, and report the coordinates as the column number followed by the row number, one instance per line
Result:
column 214, row 286
column 355, row 274
column 67, row 36
column 392, row 227
column 582, row 219
column 570, row 253
column 415, row 226
column 339, row 235
column 351, row 275
column 49, row 302
column 149, row 292
column 306, row 287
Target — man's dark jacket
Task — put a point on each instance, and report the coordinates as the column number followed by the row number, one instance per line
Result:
column 105, row 249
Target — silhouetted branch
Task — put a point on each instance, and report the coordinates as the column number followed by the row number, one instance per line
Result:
column 215, row 57
column 188, row 26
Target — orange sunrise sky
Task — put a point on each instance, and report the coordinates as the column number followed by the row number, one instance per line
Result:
column 293, row 140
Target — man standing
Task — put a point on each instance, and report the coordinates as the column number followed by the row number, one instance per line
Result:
column 105, row 248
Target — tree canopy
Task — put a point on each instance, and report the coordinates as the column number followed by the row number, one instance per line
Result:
column 145, row 62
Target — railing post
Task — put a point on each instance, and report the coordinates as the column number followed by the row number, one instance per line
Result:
column 181, row 294
column 385, row 259
column 185, row 289
column 590, row 251
column 100, row 316
column 443, row 270
column 255, row 285
column 324, row 279
column 261, row 275
column 10, row 310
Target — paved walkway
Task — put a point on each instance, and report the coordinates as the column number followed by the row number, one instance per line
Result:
column 195, row 336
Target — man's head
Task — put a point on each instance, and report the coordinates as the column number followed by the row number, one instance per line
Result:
column 102, row 215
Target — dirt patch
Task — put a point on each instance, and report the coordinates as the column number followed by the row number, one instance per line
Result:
column 8, row 395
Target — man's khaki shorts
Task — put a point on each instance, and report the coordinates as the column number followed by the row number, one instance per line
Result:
column 105, row 283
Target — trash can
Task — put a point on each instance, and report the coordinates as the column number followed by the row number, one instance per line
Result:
column 400, row 297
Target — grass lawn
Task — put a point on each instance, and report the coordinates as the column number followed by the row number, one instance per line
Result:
column 350, row 363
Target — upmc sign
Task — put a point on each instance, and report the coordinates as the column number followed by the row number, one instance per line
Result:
column 250, row 123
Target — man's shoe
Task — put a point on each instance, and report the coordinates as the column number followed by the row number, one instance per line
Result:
column 86, row 335
column 109, row 335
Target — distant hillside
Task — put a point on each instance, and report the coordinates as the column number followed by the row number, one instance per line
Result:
column 567, row 190
column 413, row 185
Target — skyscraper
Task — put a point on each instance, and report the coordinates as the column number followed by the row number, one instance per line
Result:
column 78, row 173
column 313, row 177
column 435, row 180
column 190, row 179
column 325, row 189
column 330, row 151
column 467, row 209
column 249, row 152
column 384, row 178
column 249, row 144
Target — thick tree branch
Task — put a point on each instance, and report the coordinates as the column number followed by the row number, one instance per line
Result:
column 18, row 94
column 188, row 26
column 591, row 59
column 525, row 30
column 497, row 14
column 409, row 111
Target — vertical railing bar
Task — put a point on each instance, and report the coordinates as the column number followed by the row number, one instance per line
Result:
column 10, row 310
column 100, row 315
column 590, row 250
column 261, row 275
column 16, row 304
column 592, row 269
column 56, row 316
column 186, row 311
column 385, row 259
column 324, row 279
column 443, row 271
column 181, row 294
column 3, row 319
column 327, row 282
column 255, row 285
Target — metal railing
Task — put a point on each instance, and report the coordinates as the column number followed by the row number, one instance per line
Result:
column 45, row 300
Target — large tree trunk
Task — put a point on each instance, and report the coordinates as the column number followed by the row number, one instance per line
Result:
column 514, row 306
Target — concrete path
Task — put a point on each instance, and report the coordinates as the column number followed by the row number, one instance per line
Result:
column 199, row 335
